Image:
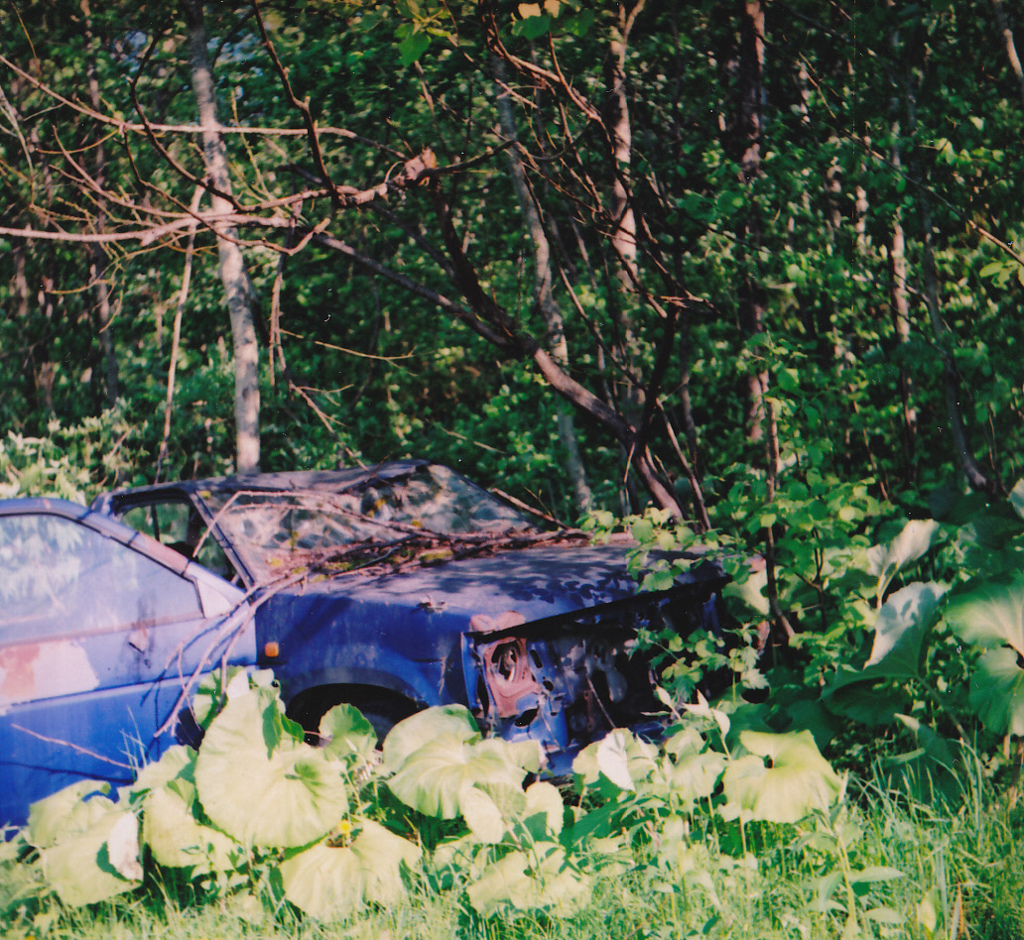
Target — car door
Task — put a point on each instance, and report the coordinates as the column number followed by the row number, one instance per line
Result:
column 102, row 633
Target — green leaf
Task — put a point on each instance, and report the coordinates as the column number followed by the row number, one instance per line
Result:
column 79, row 866
column 331, row 881
column 997, row 692
column 260, row 782
column 413, row 46
column 798, row 781
column 172, row 824
column 695, row 776
column 990, row 612
column 900, row 630
column 349, row 734
column 436, row 776
column 913, row 541
column 67, row 812
column 543, row 879
column 409, row 735
column 619, row 760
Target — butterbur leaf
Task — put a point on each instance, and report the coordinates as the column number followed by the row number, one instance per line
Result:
column 178, row 839
column 349, row 734
column 902, row 625
column 613, row 761
column 409, row 735
column 695, row 776
column 619, row 758
column 67, row 812
column 329, row 881
column 434, row 777
column 123, row 847
column 798, row 781
column 885, row 561
column 997, row 692
column 172, row 824
column 544, row 804
column 260, row 782
column 545, row 879
column 481, row 815
column 990, row 612
column 79, row 866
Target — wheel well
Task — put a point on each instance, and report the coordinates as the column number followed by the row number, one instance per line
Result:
column 310, row 705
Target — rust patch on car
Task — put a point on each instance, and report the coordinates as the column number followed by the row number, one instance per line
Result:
column 44, row 670
column 506, row 665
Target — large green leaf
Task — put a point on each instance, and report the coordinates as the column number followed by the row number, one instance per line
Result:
column 997, row 692
column 885, row 561
column 172, row 823
column 618, row 761
column 544, row 878
column 348, row 733
column 694, row 776
column 409, row 735
column 260, row 782
column 83, row 868
column 326, row 880
column 437, row 777
column 67, row 812
column 797, row 781
column 900, row 630
column 990, row 612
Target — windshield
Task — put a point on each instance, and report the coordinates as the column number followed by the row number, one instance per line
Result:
column 278, row 531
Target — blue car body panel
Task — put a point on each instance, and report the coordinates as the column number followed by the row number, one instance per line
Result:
column 82, row 696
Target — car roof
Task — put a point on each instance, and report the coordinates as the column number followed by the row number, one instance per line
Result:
column 292, row 480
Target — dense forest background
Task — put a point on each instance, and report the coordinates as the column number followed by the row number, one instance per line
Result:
column 736, row 260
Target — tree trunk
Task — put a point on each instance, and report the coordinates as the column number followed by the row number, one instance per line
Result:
column 1011, row 46
column 102, row 318
column 976, row 477
column 750, row 67
column 542, row 289
column 235, row 278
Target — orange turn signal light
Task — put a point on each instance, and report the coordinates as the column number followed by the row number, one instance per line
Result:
column 271, row 650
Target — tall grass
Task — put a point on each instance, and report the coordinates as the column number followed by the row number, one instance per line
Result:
column 954, row 871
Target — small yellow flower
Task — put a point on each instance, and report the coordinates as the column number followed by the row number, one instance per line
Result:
column 344, row 828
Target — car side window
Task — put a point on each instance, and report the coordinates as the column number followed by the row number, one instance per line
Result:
column 178, row 526
column 61, row 577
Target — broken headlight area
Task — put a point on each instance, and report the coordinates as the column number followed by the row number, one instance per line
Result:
column 566, row 681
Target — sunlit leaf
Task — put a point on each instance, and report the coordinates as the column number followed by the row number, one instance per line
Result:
column 410, row 734
column 990, row 612
column 260, row 782
column 694, row 776
column 436, row 777
column 349, row 734
column 521, row 882
column 328, row 881
column 885, row 561
column 67, row 812
column 903, row 622
column 797, row 781
column 79, row 866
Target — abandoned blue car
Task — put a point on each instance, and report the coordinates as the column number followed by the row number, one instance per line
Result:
column 393, row 588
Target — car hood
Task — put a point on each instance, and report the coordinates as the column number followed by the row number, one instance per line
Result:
column 535, row 582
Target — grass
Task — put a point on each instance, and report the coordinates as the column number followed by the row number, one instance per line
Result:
column 900, row 857
column 962, row 877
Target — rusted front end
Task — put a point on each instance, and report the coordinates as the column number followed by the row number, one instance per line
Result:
column 566, row 681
